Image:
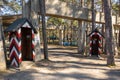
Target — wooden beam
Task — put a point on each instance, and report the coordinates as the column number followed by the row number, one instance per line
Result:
column 10, row 19
column 72, row 18
column 2, row 54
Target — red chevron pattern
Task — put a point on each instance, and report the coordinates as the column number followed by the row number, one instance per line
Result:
column 15, row 46
column 15, row 49
column 14, row 42
column 18, row 34
column 99, row 43
column 33, row 44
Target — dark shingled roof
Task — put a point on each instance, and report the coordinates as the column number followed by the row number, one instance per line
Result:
column 17, row 24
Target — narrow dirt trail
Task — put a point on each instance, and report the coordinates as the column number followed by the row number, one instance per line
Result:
column 65, row 64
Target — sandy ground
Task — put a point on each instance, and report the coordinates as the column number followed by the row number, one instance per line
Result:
column 64, row 64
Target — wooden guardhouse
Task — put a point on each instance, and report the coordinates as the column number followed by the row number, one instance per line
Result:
column 21, row 37
column 95, row 42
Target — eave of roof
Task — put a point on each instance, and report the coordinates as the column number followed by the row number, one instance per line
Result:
column 17, row 24
column 97, row 32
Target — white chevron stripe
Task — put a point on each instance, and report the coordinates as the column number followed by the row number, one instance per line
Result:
column 33, row 42
column 20, row 55
column 26, row 25
column 32, row 32
column 99, row 35
column 90, row 48
column 14, row 49
column 99, row 41
column 90, row 42
column 18, row 42
column 92, row 34
column 34, row 53
column 99, row 49
column 14, row 61
column 19, row 31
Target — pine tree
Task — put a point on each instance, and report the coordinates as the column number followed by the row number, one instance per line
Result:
column 108, row 33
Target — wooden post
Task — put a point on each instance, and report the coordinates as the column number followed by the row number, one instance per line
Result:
column 2, row 54
column 79, row 38
column 93, row 16
column 61, row 36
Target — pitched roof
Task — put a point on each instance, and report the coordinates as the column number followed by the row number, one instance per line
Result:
column 96, row 30
column 17, row 24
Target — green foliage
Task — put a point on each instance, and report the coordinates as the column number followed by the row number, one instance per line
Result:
column 55, row 21
column 14, row 5
column 115, row 7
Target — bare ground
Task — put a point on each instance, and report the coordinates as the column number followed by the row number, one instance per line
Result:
column 64, row 64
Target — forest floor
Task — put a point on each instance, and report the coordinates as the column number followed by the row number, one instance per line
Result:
column 64, row 64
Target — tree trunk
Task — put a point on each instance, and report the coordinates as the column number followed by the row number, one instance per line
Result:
column 119, row 8
column 108, row 33
column 93, row 16
column 26, row 9
column 2, row 51
column 35, row 21
column 43, row 12
column 119, row 38
column 81, row 36
column 79, row 39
